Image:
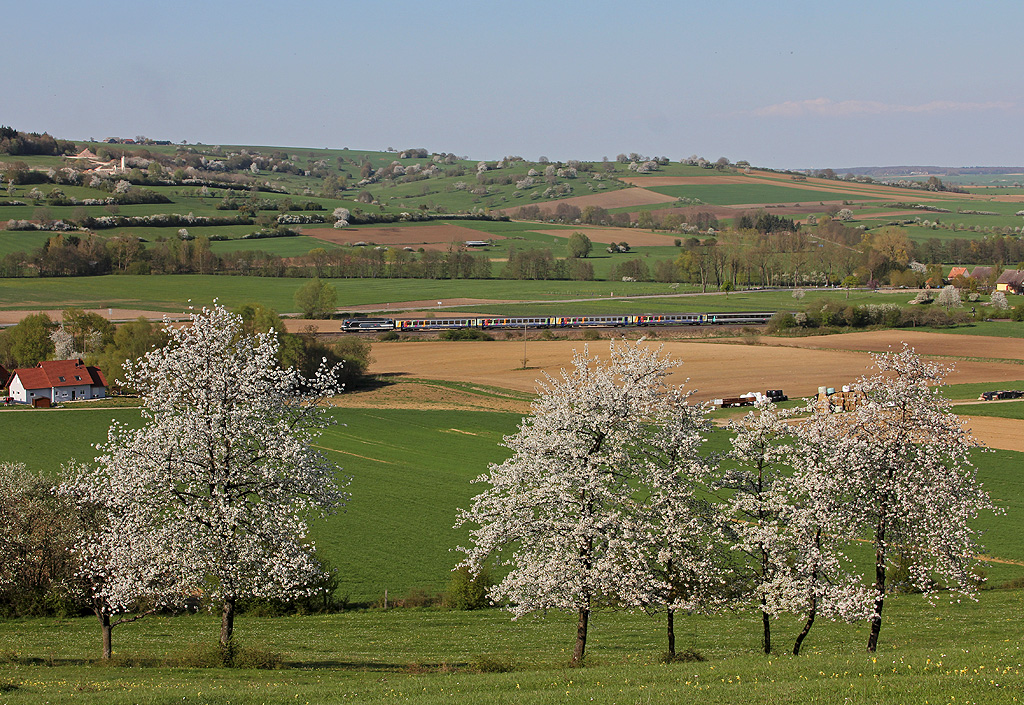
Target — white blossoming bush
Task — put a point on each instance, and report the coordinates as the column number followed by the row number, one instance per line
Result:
column 213, row 494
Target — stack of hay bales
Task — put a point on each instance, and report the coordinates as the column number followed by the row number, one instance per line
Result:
column 845, row 399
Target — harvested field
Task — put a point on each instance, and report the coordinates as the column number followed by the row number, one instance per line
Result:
column 425, row 395
column 936, row 344
column 1005, row 434
column 714, row 369
column 431, row 237
column 116, row 314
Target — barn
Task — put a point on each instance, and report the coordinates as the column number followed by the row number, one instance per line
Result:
column 57, row 380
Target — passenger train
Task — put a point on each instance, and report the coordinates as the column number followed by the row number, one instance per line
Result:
column 642, row 320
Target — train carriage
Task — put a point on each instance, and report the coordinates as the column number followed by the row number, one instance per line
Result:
column 528, row 322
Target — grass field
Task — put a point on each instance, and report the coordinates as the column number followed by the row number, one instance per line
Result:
column 1005, row 410
column 949, row 653
column 755, row 193
column 172, row 292
column 410, row 471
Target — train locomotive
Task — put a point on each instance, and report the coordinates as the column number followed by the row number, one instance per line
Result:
column 355, row 325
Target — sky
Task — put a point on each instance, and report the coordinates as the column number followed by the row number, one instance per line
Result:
column 783, row 84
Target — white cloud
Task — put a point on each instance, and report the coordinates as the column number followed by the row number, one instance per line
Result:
column 829, row 108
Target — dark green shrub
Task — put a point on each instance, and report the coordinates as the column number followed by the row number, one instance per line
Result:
column 467, row 591
column 230, row 656
column 688, row 656
column 490, row 664
column 781, row 321
column 465, row 334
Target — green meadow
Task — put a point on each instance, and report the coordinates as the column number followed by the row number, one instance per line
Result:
column 754, row 194
column 410, row 471
column 950, row 653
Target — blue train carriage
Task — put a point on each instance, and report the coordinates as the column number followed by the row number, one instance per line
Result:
column 357, row 324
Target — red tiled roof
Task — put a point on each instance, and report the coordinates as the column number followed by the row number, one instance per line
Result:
column 958, row 272
column 60, row 373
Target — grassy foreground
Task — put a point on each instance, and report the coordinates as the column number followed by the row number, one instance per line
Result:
column 949, row 653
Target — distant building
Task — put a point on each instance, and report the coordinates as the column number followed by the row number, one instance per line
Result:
column 56, row 381
column 1011, row 280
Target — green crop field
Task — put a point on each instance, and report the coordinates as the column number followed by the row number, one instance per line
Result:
column 172, row 292
column 974, row 390
column 16, row 241
column 755, row 193
column 1000, row 409
column 410, row 471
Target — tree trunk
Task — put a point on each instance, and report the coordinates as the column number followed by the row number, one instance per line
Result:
column 812, row 612
column 807, row 627
column 227, row 621
column 767, row 638
column 880, row 583
column 108, row 649
column 876, row 619
column 671, row 629
column 581, row 637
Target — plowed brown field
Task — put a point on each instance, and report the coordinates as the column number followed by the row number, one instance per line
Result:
column 942, row 344
column 712, row 369
column 116, row 314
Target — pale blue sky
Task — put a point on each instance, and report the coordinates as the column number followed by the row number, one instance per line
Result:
column 784, row 84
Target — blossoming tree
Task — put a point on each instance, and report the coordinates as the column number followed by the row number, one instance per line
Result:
column 572, row 510
column 785, row 526
column 219, row 483
column 902, row 458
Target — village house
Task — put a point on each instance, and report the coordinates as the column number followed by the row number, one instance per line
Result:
column 1012, row 280
column 56, row 381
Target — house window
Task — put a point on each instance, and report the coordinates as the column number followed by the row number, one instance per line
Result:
column 77, row 378
column 61, row 379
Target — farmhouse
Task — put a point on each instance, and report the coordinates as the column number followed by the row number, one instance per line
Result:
column 57, row 380
column 1011, row 280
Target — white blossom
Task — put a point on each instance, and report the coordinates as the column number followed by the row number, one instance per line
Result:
column 575, row 511
column 216, row 488
column 901, row 460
